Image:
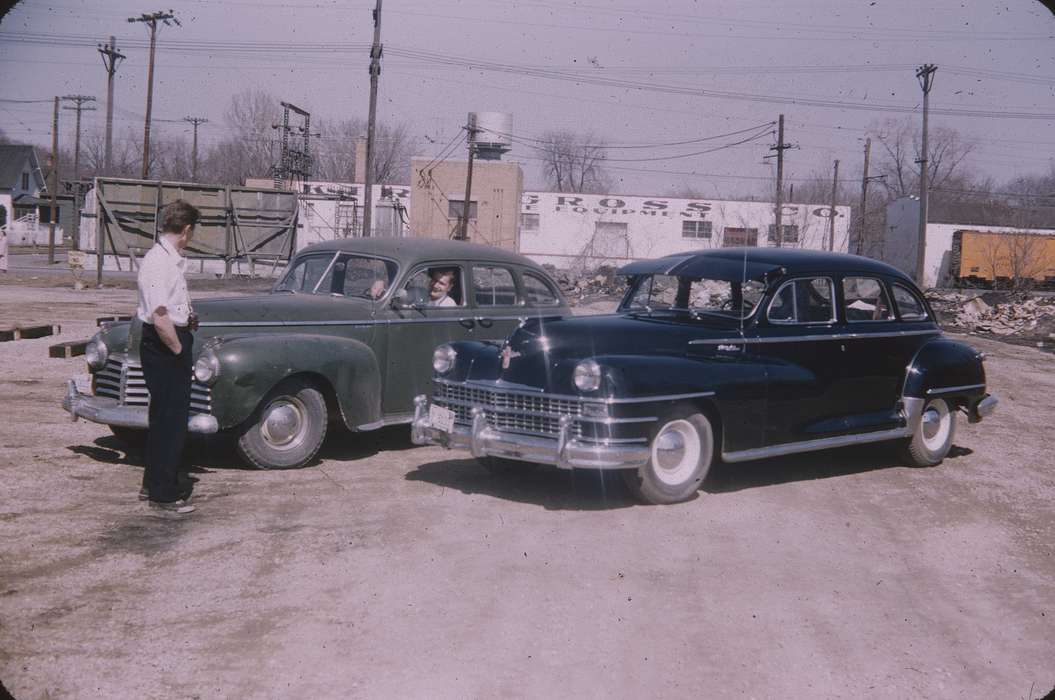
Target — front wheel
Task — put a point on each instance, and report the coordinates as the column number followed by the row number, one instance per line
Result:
column 933, row 439
column 287, row 429
column 680, row 455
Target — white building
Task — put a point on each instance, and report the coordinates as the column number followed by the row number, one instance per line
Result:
column 901, row 239
column 572, row 230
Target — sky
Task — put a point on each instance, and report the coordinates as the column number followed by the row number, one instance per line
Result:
column 670, row 85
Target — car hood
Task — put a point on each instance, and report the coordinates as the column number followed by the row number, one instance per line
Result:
column 545, row 347
column 280, row 308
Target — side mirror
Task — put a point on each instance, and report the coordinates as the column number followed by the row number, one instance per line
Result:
column 399, row 299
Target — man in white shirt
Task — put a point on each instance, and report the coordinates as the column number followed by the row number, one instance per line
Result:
column 165, row 353
column 440, row 285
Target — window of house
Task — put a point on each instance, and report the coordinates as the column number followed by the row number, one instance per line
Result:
column 537, row 291
column 493, row 286
column 529, row 223
column 735, row 237
column 25, row 181
column 865, row 299
column 791, row 233
column 909, row 305
column 695, row 229
column 803, row 301
column 456, row 208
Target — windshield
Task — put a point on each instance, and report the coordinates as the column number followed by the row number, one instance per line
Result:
column 343, row 275
column 697, row 295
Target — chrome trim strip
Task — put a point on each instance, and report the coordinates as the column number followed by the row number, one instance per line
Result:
column 808, row 338
column 951, row 389
column 616, row 421
column 372, row 322
column 812, row 445
column 493, row 386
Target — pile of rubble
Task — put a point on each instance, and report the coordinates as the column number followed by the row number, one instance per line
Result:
column 580, row 285
column 998, row 313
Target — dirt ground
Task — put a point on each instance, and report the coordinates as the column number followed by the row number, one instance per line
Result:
column 392, row 571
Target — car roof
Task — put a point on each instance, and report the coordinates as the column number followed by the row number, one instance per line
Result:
column 411, row 249
column 754, row 263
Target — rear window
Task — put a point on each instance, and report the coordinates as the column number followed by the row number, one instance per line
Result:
column 493, row 286
column 909, row 306
column 537, row 291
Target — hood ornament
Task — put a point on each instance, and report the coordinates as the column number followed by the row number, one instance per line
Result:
column 508, row 353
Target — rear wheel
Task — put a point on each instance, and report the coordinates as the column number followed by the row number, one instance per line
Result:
column 287, row 429
column 933, row 440
column 680, row 455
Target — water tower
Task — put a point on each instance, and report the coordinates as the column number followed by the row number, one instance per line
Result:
column 491, row 134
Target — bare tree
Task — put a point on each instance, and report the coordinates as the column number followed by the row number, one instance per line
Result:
column 574, row 162
column 335, row 154
column 900, row 144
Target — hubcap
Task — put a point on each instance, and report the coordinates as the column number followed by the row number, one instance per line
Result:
column 935, row 424
column 282, row 426
column 676, row 452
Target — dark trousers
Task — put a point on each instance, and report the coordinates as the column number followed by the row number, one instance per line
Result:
column 168, row 379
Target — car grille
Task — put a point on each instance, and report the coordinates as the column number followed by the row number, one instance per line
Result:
column 509, row 411
column 122, row 379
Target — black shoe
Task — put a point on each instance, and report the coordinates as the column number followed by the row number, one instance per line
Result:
column 184, row 493
column 180, row 507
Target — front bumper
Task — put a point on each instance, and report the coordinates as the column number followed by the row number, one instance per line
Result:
column 564, row 452
column 102, row 409
column 982, row 408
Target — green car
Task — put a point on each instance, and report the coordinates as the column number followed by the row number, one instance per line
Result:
column 347, row 334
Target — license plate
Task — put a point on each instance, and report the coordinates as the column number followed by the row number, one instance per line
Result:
column 83, row 382
column 441, row 418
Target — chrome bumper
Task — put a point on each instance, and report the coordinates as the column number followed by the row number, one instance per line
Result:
column 564, row 452
column 102, row 409
column 982, row 409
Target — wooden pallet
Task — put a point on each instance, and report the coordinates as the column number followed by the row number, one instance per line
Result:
column 71, row 348
column 27, row 332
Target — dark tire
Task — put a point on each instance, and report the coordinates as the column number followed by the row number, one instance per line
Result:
column 682, row 451
column 287, row 429
column 933, row 440
column 131, row 437
column 503, row 467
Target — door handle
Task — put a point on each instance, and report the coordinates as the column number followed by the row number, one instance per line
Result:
column 466, row 323
column 485, row 322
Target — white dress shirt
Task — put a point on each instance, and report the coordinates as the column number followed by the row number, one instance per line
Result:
column 162, row 283
column 445, row 300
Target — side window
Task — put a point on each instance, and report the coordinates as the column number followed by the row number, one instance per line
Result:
column 803, row 301
column 305, row 274
column 908, row 304
column 435, row 286
column 865, row 299
column 493, row 286
column 537, row 292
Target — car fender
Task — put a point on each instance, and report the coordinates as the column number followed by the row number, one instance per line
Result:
column 251, row 366
column 945, row 367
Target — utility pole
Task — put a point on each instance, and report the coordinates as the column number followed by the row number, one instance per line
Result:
column 861, row 214
column 79, row 100
column 925, row 75
column 111, row 58
column 779, row 211
column 151, row 20
column 375, row 72
column 194, row 150
column 831, row 219
column 463, row 225
column 54, row 186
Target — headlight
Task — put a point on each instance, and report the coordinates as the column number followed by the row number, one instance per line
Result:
column 96, row 352
column 443, row 359
column 587, row 375
column 207, row 368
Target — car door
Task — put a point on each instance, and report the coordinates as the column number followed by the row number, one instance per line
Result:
column 879, row 346
column 795, row 340
column 415, row 328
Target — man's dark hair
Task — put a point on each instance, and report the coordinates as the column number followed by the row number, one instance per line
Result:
column 178, row 214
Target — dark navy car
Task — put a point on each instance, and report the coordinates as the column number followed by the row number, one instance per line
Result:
column 736, row 354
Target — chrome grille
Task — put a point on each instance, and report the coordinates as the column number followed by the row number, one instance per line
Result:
column 508, row 411
column 122, row 379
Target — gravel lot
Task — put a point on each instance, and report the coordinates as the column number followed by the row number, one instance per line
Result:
column 392, row 571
